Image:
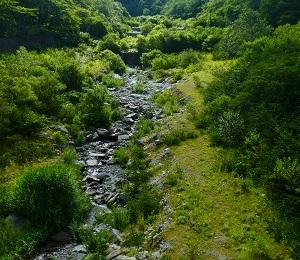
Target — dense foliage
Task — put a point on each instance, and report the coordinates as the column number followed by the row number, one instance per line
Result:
column 39, row 89
column 58, row 22
column 254, row 107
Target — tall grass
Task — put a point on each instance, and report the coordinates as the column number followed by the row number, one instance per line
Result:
column 49, row 196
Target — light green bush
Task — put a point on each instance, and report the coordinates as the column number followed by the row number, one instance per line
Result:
column 49, row 196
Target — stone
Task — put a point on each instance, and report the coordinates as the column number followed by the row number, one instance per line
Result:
column 62, row 129
column 80, row 249
column 116, row 236
column 113, row 137
column 98, row 155
column 124, row 257
column 101, row 176
column 133, row 116
column 123, row 137
column 91, row 162
column 102, row 132
column 112, row 199
column 90, row 179
column 95, row 136
column 113, row 254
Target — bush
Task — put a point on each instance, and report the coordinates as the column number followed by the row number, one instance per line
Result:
column 71, row 75
column 69, row 156
column 142, row 201
column 228, row 130
column 112, row 82
column 118, row 218
column 49, row 196
column 121, row 156
column 176, row 135
column 96, row 242
column 17, row 243
column 143, row 127
column 168, row 101
column 94, row 111
column 114, row 61
column 138, row 88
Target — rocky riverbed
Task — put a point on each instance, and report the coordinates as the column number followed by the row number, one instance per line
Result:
column 101, row 175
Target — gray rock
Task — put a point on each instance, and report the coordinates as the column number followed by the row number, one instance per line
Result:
column 61, row 129
column 95, row 136
column 80, row 249
column 123, row 137
column 90, row 179
column 113, row 254
column 124, row 257
column 116, row 236
column 98, row 155
column 103, row 133
column 91, row 162
column 101, row 176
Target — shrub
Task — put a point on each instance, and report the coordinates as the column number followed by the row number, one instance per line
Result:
column 121, row 156
column 112, row 82
column 142, row 201
column 71, row 75
column 176, row 135
column 228, row 130
column 16, row 243
column 144, row 127
column 96, row 242
column 94, row 111
column 138, row 88
column 168, row 101
column 118, row 218
column 135, row 237
column 69, row 156
column 114, row 61
column 49, row 196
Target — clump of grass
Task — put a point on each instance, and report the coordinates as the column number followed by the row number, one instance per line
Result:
column 121, row 156
column 143, row 127
column 168, row 102
column 118, row 218
column 176, row 135
column 49, row 196
column 138, row 88
column 19, row 243
column 134, row 237
column 96, row 242
column 173, row 178
column 69, row 156
column 112, row 82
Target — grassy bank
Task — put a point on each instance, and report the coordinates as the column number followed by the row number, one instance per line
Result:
column 214, row 215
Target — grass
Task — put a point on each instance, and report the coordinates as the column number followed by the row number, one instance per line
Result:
column 214, row 214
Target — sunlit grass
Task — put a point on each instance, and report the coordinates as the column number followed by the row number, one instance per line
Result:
column 214, row 214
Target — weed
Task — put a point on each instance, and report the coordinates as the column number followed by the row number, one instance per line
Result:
column 118, row 218
column 112, row 82
column 69, row 156
column 59, row 139
column 168, row 101
column 143, row 127
column 96, row 242
column 134, row 237
column 121, row 156
column 176, row 135
column 138, row 88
